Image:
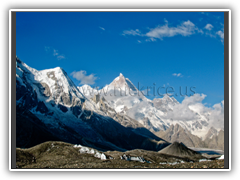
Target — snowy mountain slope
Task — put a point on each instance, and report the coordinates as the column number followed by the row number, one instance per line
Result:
column 155, row 114
column 52, row 99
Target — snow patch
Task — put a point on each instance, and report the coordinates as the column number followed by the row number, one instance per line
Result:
column 221, row 157
column 87, row 150
column 132, row 158
column 201, row 160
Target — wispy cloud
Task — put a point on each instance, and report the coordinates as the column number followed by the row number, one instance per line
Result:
column 208, row 27
column 150, row 39
column 221, row 35
column 83, row 78
column 54, row 52
column 102, row 28
column 132, row 32
column 47, row 48
column 177, row 74
column 185, row 29
column 60, row 57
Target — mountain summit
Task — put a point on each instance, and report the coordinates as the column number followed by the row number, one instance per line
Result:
column 126, row 99
column 119, row 82
column 50, row 107
column 122, row 83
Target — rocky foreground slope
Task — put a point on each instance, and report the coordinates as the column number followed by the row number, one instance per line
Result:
column 64, row 155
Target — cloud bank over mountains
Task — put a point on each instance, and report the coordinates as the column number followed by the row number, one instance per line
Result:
column 192, row 106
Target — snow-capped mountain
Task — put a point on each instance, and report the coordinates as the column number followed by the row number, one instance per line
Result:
column 156, row 114
column 51, row 107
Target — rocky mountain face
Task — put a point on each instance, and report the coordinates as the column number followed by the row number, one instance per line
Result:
column 54, row 109
column 175, row 133
column 215, row 139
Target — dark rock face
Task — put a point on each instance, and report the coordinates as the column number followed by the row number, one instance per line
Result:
column 41, row 107
column 76, row 110
column 62, row 108
column 30, row 130
column 27, row 95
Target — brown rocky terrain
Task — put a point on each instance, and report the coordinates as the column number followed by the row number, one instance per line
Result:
column 55, row 154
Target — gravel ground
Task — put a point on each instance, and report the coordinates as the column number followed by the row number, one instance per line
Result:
column 64, row 155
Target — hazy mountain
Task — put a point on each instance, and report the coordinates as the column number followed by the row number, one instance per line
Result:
column 215, row 139
column 178, row 134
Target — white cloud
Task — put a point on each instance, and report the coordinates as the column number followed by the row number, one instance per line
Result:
column 102, row 28
column 132, row 32
column 182, row 111
column 83, row 78
column 208, row 27
column 221, row 35
column 60, row 57
column 187, row 28
column 139, row 41
column 150, row 39
column 177, row 74
column 217, row 115
column 192, row 106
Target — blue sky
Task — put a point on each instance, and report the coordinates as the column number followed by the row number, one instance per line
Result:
column 177, row 49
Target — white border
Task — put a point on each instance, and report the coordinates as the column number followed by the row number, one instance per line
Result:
column 230, row 92
column 119, row 10
column 113, row 10
column 10, row 87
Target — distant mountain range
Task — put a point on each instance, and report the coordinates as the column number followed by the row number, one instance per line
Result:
column 118, row 117
column 126, row 99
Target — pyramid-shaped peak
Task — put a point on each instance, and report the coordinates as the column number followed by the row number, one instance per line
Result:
column 179, row 149
column 121, row 76
column 119, row 81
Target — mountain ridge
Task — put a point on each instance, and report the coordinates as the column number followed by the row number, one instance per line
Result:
column 53, row 99
column 153, row 114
